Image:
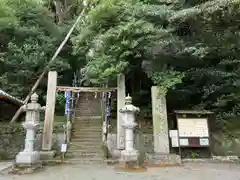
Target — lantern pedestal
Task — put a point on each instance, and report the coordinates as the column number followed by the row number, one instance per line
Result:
column 28, row 158
column 129, row 155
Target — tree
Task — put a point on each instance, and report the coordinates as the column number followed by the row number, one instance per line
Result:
column 211, row 34
column 27, row 44
column 118, row 35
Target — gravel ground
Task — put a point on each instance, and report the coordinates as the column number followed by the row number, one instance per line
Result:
column 189, row 171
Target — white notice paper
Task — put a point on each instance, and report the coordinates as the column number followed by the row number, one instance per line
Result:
column 174, row 142
column 193, row 127
column 174, row 138
column 204, row 141
column 64, row 148
column 173, row 133
column 183, row 142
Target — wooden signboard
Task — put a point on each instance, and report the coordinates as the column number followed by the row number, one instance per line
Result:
column 193, row 130
column 193, row 127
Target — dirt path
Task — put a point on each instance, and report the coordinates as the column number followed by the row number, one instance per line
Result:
column 190, row 171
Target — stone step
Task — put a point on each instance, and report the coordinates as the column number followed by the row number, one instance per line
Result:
column 86, row 119
column 90, row 122
column 87, row 110
column 82, row 126
column 91, row 153
column 87, row 114
column 86, row 149
column 85, row 146
column 87, row 123
column 85, row 102
column 98, row 151
column 96, row 142
column 97, row 124
column 85, row 160
column 85, row 153
column 82, row 132
column 93, row 121
column 99, row 117
column 91, row 107
column 86, row 128
column 87, row 105
column 86, row 139
column 86, row 134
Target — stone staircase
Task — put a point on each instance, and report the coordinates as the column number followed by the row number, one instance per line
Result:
column 86, row 140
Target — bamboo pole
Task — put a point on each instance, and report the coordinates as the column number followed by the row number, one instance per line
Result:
column 45, row 70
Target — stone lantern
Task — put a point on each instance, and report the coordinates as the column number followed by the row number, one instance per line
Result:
column 29, row 156
column 129, row 154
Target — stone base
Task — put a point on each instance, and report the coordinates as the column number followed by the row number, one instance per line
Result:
column 47, row 155
column 27, row 158
column 25, row 168
column 159, row 159
column 129, row 155
column 116, row 153
column 128, row 164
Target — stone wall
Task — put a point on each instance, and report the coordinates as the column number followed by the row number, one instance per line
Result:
column 223, row 145
column 12, row 139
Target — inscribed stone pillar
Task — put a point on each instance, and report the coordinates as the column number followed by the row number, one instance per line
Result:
column 121, row 93
column 50, row 110
column 160, row 123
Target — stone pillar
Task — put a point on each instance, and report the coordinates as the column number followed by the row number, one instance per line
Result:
column 161, row 155
column 121, row 93
column 160, row 123
column 29, row 156
column 129, row 154
column 49, row 114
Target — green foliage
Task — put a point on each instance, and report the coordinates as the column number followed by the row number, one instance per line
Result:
column 210, row 32
column 189, row 48
column 117, row 34
column 27, row 44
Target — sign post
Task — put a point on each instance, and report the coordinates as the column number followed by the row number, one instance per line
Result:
column 193, row 129
column 63, row 151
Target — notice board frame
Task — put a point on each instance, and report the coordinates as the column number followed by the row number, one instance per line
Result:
column 192, row 114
